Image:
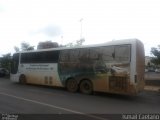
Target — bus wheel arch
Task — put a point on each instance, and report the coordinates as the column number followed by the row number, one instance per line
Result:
column 71, row 85
column 22, row 79
column 86, row 86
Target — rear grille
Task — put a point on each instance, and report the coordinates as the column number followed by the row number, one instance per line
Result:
column 118, row 83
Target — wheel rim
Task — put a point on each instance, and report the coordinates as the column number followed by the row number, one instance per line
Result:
column 72, row 85
column 86, row 87
column 22, row 79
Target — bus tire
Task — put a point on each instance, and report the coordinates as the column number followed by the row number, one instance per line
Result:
column 22, row 79
column 86, row 87
column 72, row 85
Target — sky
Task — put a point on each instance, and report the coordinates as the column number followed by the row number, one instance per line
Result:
column 64, row 21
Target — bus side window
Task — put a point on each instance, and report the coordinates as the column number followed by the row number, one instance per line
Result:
column 25, row 57
column 73, row 55
column 83, row 54
column 64, row 56
column 122, row 53
column 51, row 56
column 94, row 53
column 108, row 53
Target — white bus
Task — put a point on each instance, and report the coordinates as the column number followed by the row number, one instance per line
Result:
column 113, row 67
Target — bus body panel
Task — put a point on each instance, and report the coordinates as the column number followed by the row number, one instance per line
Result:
column 108, row 67
column 140, row 66
column 43, row 74
column 115, row 67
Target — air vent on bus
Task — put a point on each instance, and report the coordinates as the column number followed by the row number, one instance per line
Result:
column 50, row 80
column 118, row 83
column 46, row 80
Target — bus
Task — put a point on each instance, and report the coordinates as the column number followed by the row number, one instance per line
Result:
column 113, row 67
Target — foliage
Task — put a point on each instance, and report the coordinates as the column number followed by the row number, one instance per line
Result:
column 156, row 53
column 78, row 43
column 47, row 44
column 69, row 45
column 6, row 61
column 16, row 48
column 24, row 47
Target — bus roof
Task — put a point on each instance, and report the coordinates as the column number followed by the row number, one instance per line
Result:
column 113, row 42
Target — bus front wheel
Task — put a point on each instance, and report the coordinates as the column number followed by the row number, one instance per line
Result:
column 22, row 79
column 86, row 87
column 72, row 85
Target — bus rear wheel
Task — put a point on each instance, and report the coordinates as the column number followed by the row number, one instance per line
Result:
column 22, row 79
column 86, row 87
column 72, row 85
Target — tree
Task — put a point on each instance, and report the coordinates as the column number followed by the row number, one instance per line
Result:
column 24, row 47
column 16, row 48
column 47, row 44
column 69, row 45
column 156, row 53
column 6, row 61
column 78, row 43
